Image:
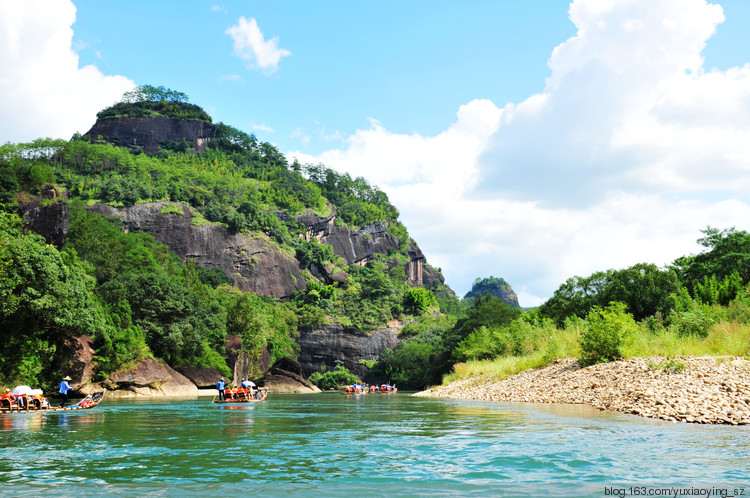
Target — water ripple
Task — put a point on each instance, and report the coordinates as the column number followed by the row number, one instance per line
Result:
column 367, row 441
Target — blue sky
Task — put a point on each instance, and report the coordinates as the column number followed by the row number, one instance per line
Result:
column 407, row 64
column 529, row 140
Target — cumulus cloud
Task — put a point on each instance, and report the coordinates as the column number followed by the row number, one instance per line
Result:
column 628, row 106
column 253, row 49
column 44, row 91
column 262, row 127
column 629, row 151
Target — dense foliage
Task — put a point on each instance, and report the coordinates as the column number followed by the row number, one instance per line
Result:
column 644, row 288
column 136, row 299
column 148, row 101
column 699, row 304
column 46, row 300
column 357, row 203
column 334, row 379
column 133, row 296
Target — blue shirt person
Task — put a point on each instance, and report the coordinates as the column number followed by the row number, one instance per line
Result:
column 220, row 387
column 64, row 388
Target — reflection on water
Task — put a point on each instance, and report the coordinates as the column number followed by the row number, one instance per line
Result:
column 355, row 442
column 21, row 421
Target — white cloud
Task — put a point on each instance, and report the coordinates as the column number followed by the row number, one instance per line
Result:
column 262, row 127
column 253, row 49
column 44, row 91
column 234, row 78
column 631, row 149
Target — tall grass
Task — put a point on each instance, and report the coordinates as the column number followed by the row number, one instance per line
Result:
column 724, row 338
column 497, row 369
column 728, row 338
column 549, row 345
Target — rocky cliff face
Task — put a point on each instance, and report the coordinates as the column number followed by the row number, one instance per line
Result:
column 358, row 246
column 150, row 133
column 355, row 246
column 48, row 216
column 251, row 261
column 286, row 377
column 332, row 344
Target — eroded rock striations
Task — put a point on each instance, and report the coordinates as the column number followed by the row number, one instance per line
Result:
column 48, row 215
column 358, row 246
column 253, row 262
column 708, row 390
column 330, row 345
column 150, row 133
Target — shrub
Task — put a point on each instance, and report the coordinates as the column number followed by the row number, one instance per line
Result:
column 419, row 301
column 602, row 339
column 694, row 322
column 673, row 366
column 341, row 376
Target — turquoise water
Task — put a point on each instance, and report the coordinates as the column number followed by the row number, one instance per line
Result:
column 369, row 445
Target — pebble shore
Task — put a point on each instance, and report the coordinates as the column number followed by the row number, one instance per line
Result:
column 703, row 390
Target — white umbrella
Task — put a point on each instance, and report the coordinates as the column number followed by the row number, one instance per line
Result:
column 19, row 390
column 252, row 384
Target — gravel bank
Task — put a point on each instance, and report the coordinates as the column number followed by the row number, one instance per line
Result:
column 708, row 390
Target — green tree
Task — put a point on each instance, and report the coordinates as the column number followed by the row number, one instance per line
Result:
column 260, row 322
column 419, row 301
column 45, row 300
column 333, row 379
column 644, row 288
column 487, row 311
column 411, row 365
column 605, row 332
column 727, row 252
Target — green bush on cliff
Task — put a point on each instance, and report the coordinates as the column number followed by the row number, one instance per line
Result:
column 311, row 252
column 147, row 101
column 260, row 322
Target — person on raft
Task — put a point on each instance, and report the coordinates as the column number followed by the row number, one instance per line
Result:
column 64, row 388
column 220, row 387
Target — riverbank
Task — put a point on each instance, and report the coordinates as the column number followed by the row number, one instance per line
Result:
column 706, row 390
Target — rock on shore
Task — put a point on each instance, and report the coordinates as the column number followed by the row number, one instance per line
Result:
column 708, row 390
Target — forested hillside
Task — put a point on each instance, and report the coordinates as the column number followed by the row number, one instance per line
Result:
column 136, row 298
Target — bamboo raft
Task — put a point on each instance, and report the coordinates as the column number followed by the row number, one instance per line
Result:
column 242, row 397
column 90, row 401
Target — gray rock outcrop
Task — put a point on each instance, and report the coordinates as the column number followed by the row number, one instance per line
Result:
column 81, row 366
column 242, row 365
column 358, row 246
column 253, row 262
column 331, row 345
column 355, row 246
column 286, row 377
column 203, row 378
column 149, row 133
column 149, row 378
column 48, row 215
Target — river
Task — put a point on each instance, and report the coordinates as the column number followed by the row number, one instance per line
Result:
column 367, row 445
